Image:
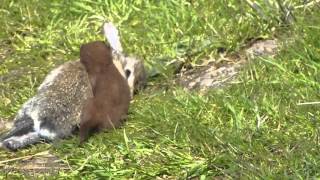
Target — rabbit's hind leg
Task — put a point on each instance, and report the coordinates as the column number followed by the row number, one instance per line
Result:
column 48, row 130
column 21, row 135
column 16, row 142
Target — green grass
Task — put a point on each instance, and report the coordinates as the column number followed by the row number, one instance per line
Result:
column 252, row 129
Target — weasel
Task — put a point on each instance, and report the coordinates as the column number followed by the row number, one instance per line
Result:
column 111, row 94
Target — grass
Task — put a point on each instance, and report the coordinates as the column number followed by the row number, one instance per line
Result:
column 254, row 129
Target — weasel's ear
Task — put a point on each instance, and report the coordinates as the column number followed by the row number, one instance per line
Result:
column 84, row 53
column 112, row 36
column 82, row 49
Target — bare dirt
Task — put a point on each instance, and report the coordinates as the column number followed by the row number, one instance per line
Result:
column 220, row 72
column 43, row 163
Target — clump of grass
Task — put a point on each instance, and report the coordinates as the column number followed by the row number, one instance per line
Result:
column 256, row 128
column 41, row 35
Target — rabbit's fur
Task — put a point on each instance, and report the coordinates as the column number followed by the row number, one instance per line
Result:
column 54, row 112
column 133, row 67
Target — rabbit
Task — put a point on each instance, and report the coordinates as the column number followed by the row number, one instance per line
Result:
column 133, row 67
column 54, row 112
column 111, row 94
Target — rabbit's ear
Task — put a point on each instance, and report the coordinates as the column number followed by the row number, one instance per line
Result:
column 112, row 36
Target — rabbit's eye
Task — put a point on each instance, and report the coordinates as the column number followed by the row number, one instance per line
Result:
column 128, row 72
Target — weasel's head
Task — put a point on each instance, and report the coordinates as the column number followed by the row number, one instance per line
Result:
column 95, row 55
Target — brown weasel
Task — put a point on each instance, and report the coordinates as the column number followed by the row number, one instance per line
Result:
column 111, row 94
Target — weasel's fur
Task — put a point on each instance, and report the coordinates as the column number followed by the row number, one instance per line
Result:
column 111, row 95
column 133, row 67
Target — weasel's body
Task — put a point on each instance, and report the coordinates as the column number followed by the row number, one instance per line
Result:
column 111, row 95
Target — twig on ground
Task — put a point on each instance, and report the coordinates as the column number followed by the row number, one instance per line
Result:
column 308, row 103
column 37, row 168
column 2, row 163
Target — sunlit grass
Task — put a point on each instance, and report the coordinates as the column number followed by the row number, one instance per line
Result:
column 256, row 128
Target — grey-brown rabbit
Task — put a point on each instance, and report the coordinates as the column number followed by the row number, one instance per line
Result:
column 54, row 112
column 133, row 67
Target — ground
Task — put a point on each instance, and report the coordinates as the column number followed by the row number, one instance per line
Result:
column 265, row 124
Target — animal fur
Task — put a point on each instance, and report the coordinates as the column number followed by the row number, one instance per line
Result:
column 133, row 67
column 111, row 94
column 54, row 112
